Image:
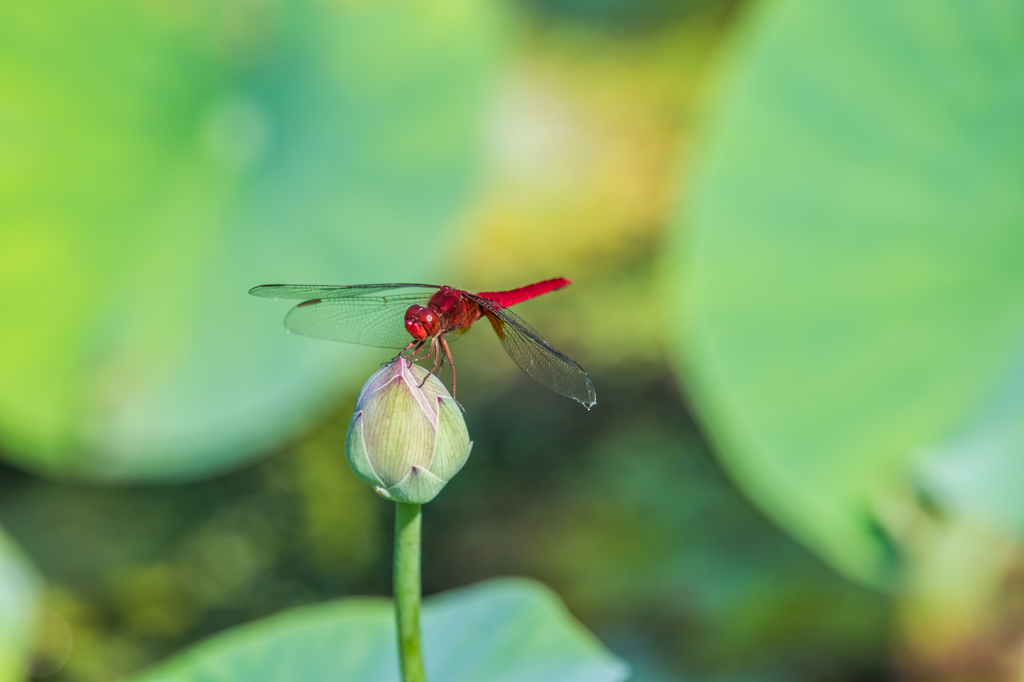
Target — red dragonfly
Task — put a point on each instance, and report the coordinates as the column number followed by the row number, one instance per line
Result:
column 387, row 315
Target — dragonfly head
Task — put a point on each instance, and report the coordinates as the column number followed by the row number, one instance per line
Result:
column 421, row 322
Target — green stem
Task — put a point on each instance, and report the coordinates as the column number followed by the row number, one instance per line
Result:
column 408, row 521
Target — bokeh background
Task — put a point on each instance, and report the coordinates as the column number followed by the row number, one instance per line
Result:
column 796, row 231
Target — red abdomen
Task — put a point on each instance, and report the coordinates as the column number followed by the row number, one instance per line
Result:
column 514, row 296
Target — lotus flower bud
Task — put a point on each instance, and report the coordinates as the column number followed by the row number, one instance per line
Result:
column 406, row 441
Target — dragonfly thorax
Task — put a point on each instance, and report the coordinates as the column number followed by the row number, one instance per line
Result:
column 421, row 322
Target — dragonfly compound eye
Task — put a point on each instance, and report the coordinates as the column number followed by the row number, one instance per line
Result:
column 413, row 325
column 429, row 320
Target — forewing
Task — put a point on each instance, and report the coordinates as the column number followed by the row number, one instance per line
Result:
column 323, row 291
column 536, row 357
column 367, row 320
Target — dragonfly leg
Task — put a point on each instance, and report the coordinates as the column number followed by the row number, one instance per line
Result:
column 436, row 354
column 448, row 354
column 404, row 351
column 419, row 346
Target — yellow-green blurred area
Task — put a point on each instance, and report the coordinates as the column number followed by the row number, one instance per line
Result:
column 796, row 234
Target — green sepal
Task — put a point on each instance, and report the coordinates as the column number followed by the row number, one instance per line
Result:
column 452, row 444
column 418, row 487
column 355, row 452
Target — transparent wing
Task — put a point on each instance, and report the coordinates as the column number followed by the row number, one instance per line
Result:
column 536, row 357
column 368, row 320
column 311, row 291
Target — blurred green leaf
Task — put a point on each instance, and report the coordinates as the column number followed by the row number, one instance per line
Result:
column 506, row 630
column 852, row 255
column 977, row 471
column 159, row 159
column 17, row 612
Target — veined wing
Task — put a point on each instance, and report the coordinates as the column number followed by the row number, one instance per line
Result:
column 536, row 357
column 367, row 320
column 322, row 291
